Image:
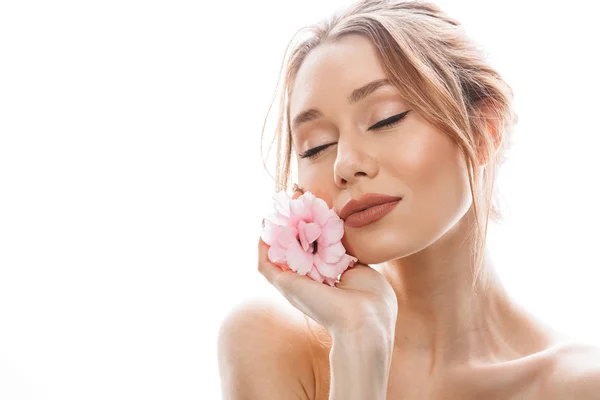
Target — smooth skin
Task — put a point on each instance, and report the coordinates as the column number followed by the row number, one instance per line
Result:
column 447, row 344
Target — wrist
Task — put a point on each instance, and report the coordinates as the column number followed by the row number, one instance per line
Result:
column 360, row 366
column 371, row 340
column 368, row 324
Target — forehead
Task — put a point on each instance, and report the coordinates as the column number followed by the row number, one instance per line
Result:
column 332, row 70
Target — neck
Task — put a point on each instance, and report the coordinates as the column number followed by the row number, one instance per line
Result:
column 443, row 321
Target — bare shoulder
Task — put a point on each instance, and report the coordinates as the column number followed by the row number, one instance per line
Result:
column 264, row 350
column 574, row 373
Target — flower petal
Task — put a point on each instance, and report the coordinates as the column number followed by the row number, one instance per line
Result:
column 315, row 275
column 302, row 235
column 294, row 227
column 299, row 210
column 308, row 233
column 332, row 253
column 330, row 281
column 276, row 254
column 313, row 231
column 351, row 260
column 332, row 232
column 282, row 203
column 277, row 218
column 287, row 235
column 297, row 259
column 325, row 269
column 333, row 270
column 347, row 261
column 320, row 210
column 269, row 232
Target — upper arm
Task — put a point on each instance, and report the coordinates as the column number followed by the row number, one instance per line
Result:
column 263, row 353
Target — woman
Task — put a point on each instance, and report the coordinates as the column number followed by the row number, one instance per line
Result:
column 392, row 98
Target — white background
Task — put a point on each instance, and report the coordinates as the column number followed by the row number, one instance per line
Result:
column 132, row 186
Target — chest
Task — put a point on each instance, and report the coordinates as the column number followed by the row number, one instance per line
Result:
column 516, row 382
column 406, row 389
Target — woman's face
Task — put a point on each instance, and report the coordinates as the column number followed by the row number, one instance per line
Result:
column 410, row 159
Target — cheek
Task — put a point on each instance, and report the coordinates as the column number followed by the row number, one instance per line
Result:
column 414, row 160
column 433, row 177
column 318, row 181
column 426, row 163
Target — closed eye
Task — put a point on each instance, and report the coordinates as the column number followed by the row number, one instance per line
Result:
column 386, row 123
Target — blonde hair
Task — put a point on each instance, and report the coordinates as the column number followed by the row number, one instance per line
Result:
column 439, row 71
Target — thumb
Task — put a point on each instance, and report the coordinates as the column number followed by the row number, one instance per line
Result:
column 297, row 192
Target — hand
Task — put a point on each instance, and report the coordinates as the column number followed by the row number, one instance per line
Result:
column 362, row 302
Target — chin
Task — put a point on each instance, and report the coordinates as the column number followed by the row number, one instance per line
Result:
column 379, row 248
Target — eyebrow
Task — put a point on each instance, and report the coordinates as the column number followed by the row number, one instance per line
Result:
column 356, row 96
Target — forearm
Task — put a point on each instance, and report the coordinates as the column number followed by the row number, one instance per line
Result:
column 360, row 366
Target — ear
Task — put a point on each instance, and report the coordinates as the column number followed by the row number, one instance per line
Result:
column 488, row 113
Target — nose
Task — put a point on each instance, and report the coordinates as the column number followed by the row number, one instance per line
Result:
column 354, row 160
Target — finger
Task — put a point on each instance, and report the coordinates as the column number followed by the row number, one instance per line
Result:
column 297, row 192
column 301, row 291
column 361, row 276
column 273, row 271
column 269, row 270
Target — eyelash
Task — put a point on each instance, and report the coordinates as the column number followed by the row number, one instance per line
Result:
column 386, row 123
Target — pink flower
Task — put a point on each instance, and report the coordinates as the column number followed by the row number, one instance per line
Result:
column 305, row 235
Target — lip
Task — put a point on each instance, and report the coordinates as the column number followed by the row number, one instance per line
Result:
column 367, row 201
column 371, row 214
